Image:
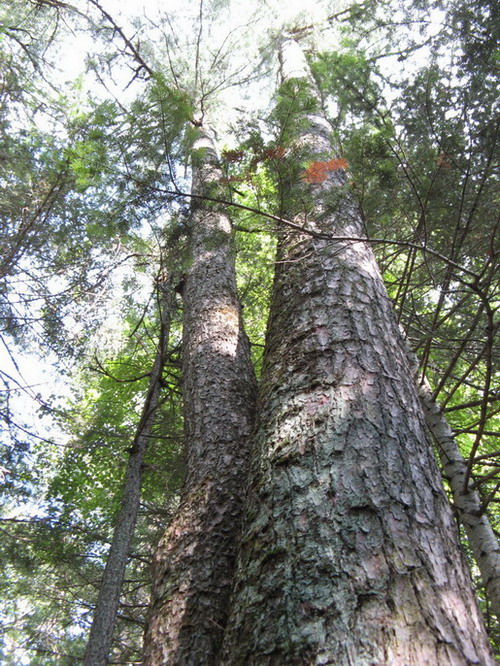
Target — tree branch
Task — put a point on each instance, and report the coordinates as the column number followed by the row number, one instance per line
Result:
column 132, row 49
column 300, row 229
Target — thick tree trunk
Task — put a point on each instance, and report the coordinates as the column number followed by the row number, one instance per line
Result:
column 104, row 620
column 194, row 563
column 480, row 535
column 349, row 554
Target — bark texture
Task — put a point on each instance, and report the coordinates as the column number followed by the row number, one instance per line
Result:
column 104, row 620
column 194, row 563
column 468, row 503
column 349, row 554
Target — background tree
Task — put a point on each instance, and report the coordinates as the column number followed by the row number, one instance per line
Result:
column 104, row 618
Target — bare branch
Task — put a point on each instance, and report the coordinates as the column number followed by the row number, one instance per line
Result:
column 134, row 52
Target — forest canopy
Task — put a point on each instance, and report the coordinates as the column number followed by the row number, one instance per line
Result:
column 199, row 210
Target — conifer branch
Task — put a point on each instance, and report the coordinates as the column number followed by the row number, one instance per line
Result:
column 321, row 236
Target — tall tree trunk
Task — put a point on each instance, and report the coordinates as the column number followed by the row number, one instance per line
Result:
column 480, row 535
column 194, row 563
column 349, row 554
column 104, row 620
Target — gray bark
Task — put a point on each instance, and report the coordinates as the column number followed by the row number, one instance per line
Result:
column 194, row 563
column 104, row 620
column 349, row 553
column 480, row 535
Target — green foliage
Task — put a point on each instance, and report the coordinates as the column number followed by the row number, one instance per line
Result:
column 255, row 261
column 295, row 101
column 91, row 184
column 87, row 157
column 103, row 420
column 81, row 503
column 348, row 77
column 176, row 105
column 86, row 160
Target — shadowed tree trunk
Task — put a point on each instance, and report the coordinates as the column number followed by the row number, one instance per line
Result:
column 104, row 620
column 349, row 551
column 194, row 563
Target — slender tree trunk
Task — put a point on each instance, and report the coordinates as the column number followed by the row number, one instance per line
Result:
column 194, row 563
column 349, row 554
column 101, row 632
column 468, row 503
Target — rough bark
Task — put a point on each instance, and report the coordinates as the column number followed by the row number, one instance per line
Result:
column 194, row 563
column 480, row 535
column 349, row 552
column 104, row 620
